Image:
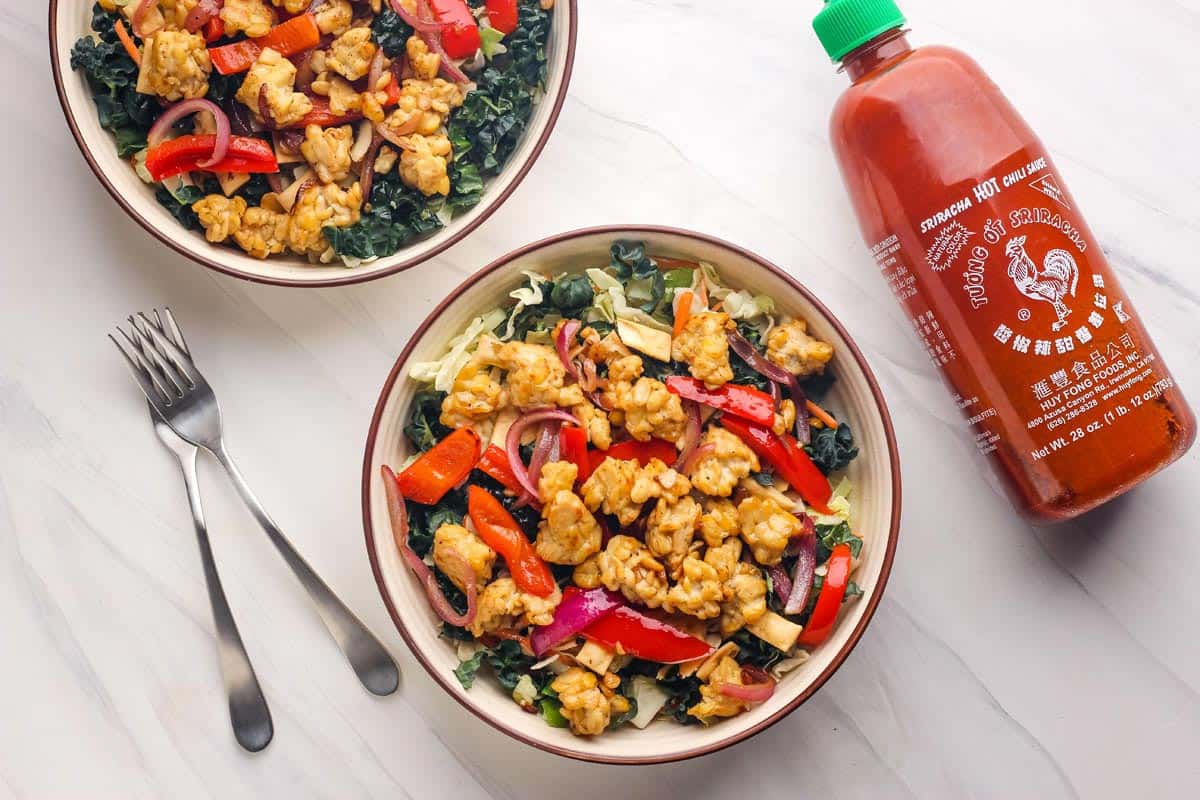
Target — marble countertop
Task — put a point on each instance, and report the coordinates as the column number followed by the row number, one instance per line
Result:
column 1005, row 661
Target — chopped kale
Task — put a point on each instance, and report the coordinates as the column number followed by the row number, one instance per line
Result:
column 180, row 204
column 572, row 294
column 527, row 44
column 487, row 127
column 755, row 652
column 466, row 670
column 424, row 428
column 832, row 448
column 391, row 32
column 112, row 77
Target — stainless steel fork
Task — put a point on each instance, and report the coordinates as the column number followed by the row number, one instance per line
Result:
column 182, row 398
column 248, row 710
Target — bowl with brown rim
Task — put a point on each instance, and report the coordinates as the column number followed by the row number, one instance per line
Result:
column 71, row 19
column 875, row 475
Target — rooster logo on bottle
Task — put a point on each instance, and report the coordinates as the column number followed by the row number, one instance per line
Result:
column 1056, row 280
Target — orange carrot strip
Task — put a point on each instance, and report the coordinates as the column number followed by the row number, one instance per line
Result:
column 127, row 41
column 683, row 313
column 821, row 414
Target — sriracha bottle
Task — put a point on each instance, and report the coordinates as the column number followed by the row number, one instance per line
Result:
column 974, row 229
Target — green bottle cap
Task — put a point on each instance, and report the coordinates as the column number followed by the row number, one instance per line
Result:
column 844, row 25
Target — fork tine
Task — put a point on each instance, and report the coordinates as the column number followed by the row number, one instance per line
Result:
column 172, row 328
column 149, row 387
column 141, row 362
column 181, row 360
column 161, row 364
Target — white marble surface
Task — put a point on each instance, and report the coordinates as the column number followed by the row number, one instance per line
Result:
column 1004, row 661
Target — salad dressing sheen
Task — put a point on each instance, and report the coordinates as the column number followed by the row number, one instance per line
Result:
column 978, row 236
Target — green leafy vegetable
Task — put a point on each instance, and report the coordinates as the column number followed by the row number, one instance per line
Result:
column 180, row 204
column 466, row 670
column 466, row 186
column 391, row 32
column 830, row 536
column 756, row 652
column 572, row 294
column 552, row 713
column 112, row 77
column 527, row 44
column 424, row 428
column 487, row 127
column 645, row 284
column 832, row 448
column 509, row 663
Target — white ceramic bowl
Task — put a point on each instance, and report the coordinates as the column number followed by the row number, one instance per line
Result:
column 875, row 474
column 70, row 19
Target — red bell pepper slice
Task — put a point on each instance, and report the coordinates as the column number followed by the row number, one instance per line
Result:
column 503, row 15
column 645, row 637
column 495, row 464
column 460, row 31
column 501, row 532
column 441, row 468
column 633, row 450
column 214, row 29
column 324, row 118
column 287, row 38
column 746, row 402
column 176, row 156
column 829, row 601
column 572, row 446
column 787, row 457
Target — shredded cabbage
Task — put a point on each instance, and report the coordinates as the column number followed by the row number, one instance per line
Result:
column 839, row 504
column 441, row 373
column 139, row 165
column 525, row 692
column 650, row 698
column 611, row 302
column 756, row 309
column 525, row 296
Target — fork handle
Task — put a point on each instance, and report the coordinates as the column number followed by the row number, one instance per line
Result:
column 368, row 658
column 248, row 711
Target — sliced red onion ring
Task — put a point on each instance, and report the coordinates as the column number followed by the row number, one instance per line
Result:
column 376, row 70
column 415, row 22
column 700, row 452
column 512, row 443
column 304, row 71
column 139, row 18
column 398, row 514
column 576, row 611
column 264, row 108
column 781, row 582
column 180, row 110
column 691, row 437
column 275, row 181
column 562, row 343
column 367, row 176
column 757, row 686
column 201, row 14
column 771, row 371
column 802, row 579
column 543, row 451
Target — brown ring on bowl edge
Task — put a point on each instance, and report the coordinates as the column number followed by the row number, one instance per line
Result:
column 455, row 238
column 872, row 604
